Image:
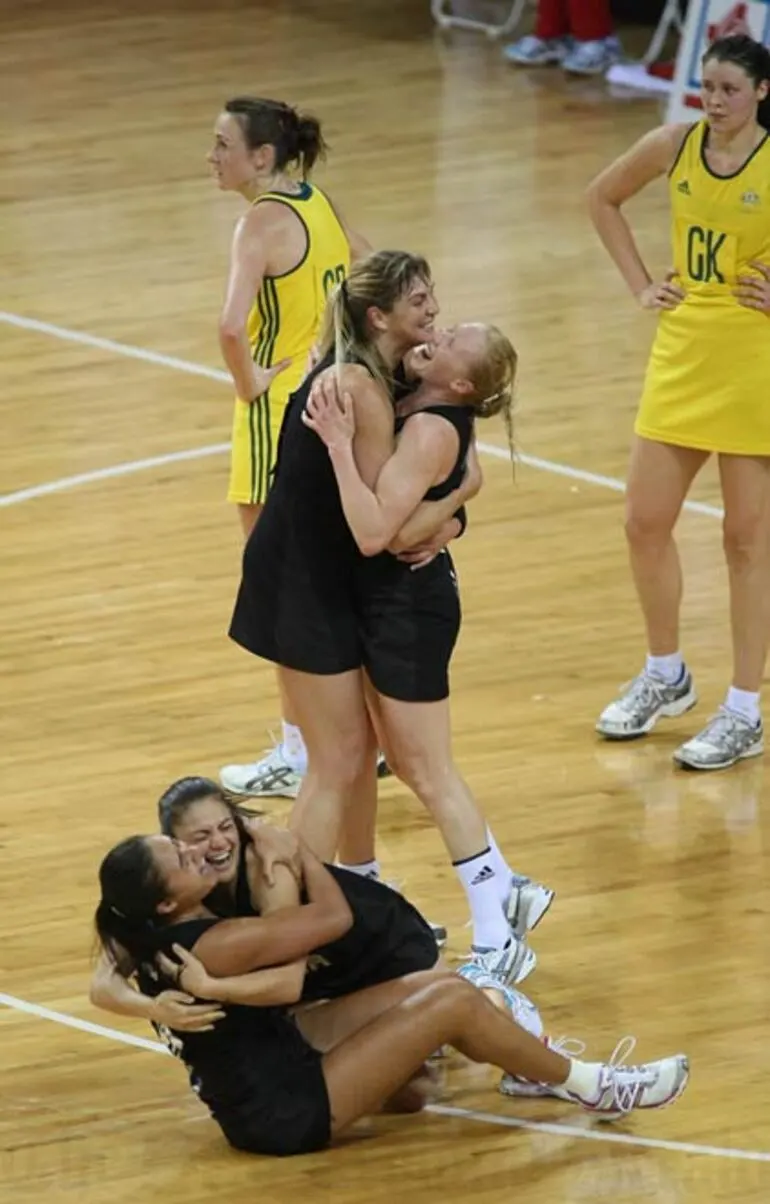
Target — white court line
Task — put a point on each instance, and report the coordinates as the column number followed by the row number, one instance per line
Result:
column 192, row 369
column 85, row 1026
column 488, row 1118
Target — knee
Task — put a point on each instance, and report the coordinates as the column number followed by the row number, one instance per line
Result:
column 744, row 538
column 450, row 993
column 418, row 773
column 646, row 525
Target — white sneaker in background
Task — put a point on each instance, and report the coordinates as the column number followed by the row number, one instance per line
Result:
column 643, row 702
column 271, row 777
column 526, row 905
column 727, row 737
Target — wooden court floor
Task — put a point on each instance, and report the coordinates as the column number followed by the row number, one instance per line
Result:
column 116, row 589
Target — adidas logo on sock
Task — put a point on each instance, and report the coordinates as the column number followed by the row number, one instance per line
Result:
column 485, row 873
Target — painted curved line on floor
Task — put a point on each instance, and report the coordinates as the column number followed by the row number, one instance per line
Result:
column 172, row 363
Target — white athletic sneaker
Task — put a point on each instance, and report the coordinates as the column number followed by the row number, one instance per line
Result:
column 531, row 51
column 269, row 778
column 513, row 963
column 726, row 738
column 527, row 904
column 622, row 1089
column 643, row 702
column 512, row 1084
column 592, row 58
column 522, row 1009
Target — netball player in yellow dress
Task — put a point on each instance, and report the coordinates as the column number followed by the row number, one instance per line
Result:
column 707, row 390
column 289, row 250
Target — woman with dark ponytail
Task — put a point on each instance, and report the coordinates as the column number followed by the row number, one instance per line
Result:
column 273, row 1090
column 705, row 392
column 254, row 870
column 289, row 249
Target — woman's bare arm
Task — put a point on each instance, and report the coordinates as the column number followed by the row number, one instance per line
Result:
column 237, row 946
column 652, row 156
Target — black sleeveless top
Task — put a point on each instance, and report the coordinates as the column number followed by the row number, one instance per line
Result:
column 236, row 1060
column 381, row 917
column 461, row 418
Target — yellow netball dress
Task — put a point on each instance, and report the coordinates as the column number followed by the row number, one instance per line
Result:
column 708, row 378
column 283, row 324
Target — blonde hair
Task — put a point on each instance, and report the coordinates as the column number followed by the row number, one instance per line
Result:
column 493, row 377
column 377, row 281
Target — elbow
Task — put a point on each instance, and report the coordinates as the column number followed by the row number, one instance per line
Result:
column 229, row 332
column 597, row 200
column 372, row 545
column 344, row 921
column 97, row 996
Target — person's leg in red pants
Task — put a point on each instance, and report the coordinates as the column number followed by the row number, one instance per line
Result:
column 586, row 20
column 590, row 20
column 552, row 19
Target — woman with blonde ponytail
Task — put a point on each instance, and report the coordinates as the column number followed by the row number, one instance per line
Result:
column 313, row 604
column 409, row 620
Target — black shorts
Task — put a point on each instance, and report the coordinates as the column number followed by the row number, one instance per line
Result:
column 409, row 622
column 290, row 1113
column 389, row 938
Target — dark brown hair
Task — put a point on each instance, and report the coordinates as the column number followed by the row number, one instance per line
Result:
column 295, row 137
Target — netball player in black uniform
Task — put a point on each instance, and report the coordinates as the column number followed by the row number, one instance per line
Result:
column 410, row 620
column 302, row 605
column 268, row 1088
column 387, row 939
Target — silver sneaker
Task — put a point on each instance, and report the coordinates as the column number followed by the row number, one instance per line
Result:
column 726, row 738
column 622, row 1089
column 531, row 51
column 269, row 778
column 646, row 700
column 519, row 1006
column 513, row 963
column 527, row 904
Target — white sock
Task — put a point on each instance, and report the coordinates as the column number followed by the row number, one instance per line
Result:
column 490, row 927
column 364, row 869
column 743, row 703
column 293, row 748
column 666, row 668
column 503, row 871
column 583, row 1079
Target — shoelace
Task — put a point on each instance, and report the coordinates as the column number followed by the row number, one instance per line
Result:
column 569, row 1047
column 625, row 1082
column 724, row 724
column 641, row 689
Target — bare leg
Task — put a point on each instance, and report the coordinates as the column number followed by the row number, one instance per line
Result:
column 332, row 714
column 327, row 1024
column 417, row 741
column 746, row 494
column 368, row 1068
column 359, row 827
column 660, row 476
